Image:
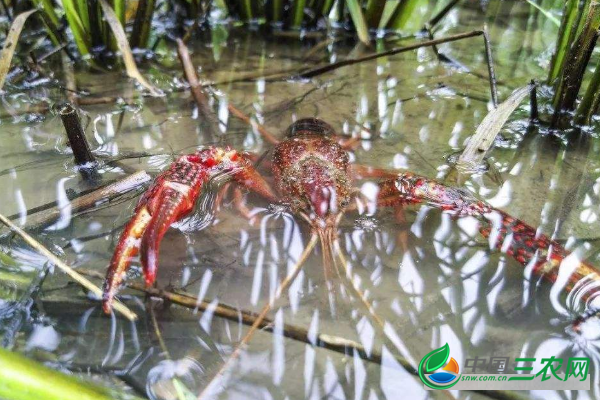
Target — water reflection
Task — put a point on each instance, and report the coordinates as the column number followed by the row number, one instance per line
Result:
column 431, row 278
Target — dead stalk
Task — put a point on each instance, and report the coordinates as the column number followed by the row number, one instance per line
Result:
column 87, row 201
column 76, row 276
column 84, row 159
column 206, row 115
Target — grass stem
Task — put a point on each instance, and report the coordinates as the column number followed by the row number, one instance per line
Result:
column 76, row 276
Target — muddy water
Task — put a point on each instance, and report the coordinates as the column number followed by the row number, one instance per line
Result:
column 430, row 278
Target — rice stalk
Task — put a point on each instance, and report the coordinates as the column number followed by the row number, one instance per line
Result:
column 123, row 44
column 77, row 28
column 246, row 10
column 564, row 40
column 82, row 9
column 359, row 21
column 50, row 20
column 374, row 12
column 120, row 7
column 576, row 62
column 297, row 13
column 590, row 101
column 48, row 9
column 275, row 11
column 142, row 24
column 404, row 12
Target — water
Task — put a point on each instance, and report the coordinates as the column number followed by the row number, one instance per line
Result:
column 431, row 278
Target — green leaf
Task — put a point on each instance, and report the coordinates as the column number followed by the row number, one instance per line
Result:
column 359, row 21
column 437, row 358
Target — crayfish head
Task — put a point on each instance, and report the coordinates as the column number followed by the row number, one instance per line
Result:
column 323, row 193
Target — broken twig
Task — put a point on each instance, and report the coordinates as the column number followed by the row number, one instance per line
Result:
column 206, row 114
column 84, row 159
column 87, row 201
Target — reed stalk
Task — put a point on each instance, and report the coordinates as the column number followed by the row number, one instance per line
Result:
column 142, row 24
column 297, row 13
column 564, row 40
column 576, row 62
column 403, row 13
column 590, row 101
column 359, row 20
column 373, row 12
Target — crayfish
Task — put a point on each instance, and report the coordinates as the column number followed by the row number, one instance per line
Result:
column 313, row 176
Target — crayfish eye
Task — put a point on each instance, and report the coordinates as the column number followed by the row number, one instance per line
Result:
column 402, row 185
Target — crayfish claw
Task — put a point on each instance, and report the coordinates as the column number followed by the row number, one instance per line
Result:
column 127, row 248
column 171, row 206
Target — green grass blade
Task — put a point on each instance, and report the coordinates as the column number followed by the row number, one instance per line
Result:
column 565, row 37
column 48, row 9
column 124, row 48
column 120, row 6
column 374, row 12
column 403, row 14
column 81, row 7
column 547, row 13
column 79, row 33
column 327, row 5
column 359, row 21
column 388, row 13
column 25, row 379
column 12, row 39
column 591, row 99
column 298, row 13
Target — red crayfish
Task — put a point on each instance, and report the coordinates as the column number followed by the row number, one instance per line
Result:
column 313, row 176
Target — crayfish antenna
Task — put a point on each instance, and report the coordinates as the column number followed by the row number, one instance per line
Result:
column 285, row 284
column 326, row 239
column 359, row 293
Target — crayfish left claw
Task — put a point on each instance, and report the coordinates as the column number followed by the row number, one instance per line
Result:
column 171, row 197
column 127, row 248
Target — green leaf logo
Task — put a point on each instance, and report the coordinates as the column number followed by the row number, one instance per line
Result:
column 437, row 358
column 433, row 361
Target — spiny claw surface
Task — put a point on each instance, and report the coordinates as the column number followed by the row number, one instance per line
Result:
column 171, row 197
